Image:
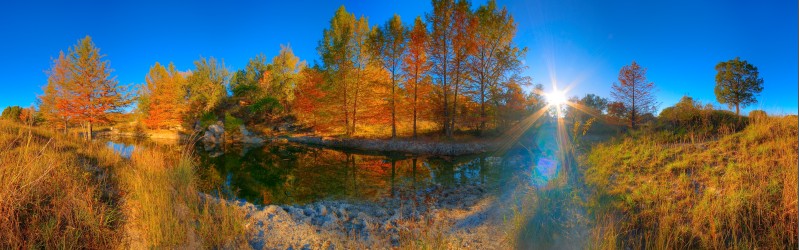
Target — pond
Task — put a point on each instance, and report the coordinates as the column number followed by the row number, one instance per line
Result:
column 289, row 173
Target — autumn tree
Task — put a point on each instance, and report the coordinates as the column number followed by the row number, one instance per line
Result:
column 348, row 63
column 81, row 89
column 309, row 104
column 206, row 87
column 28, row 116
column 52, row 104
column 496, row 58
column 441, row 53
column 388, row 43
column 635, row 93
column 363, row 64
column 336, row 53
column 415, row 64
column 162, row 97
column 737, row 83
column 617, row 110
column 463, row 29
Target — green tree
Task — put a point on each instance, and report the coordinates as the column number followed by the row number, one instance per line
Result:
column 389, row 42
column 595, row 102
column 12, row 113
column 206, row 86
column 737, row 83
column 283, row 75
column 245, row 84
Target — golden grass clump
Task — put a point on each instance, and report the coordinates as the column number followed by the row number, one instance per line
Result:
column 63, row 192
column 54, row 193
column 739, row 191
column 167, row 210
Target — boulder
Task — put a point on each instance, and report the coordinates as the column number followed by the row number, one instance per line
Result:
column 214, row 136
column 248, row 137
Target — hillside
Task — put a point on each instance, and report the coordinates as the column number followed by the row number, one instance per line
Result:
column 736, row 191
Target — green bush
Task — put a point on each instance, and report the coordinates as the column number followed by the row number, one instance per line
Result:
column 689, row 118
column 207, row 119
column 232, row 123
column 12, row 113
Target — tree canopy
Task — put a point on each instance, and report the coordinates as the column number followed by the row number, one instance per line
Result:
column 737, row 83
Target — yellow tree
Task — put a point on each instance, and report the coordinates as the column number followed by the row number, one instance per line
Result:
column 416, row 64
column 496, row 58
column 336, row 52
column 284, row 73
column 388, row 44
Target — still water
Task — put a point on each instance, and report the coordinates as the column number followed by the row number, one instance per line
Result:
column 288, row 173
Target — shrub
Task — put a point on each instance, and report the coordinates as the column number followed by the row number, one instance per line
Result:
column 689, row 118
column 757, row 115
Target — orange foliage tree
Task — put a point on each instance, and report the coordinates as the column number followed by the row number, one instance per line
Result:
column 161, row 99
column 81, row 89
column 416, row 65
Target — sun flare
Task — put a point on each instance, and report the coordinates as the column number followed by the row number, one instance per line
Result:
column 556, row 97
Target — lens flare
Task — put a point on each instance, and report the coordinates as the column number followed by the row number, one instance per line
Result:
column 556, row 97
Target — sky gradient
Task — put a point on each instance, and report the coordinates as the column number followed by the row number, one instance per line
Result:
column 577, row 43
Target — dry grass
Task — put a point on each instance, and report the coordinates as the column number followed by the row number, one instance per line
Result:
column 55, row 193
column 167, row 210
column 739, row 191
column 62, row 192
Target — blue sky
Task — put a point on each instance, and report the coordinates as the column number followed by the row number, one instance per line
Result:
column 578, row 43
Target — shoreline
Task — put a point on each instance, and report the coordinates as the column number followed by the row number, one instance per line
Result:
column 399, row 145
column 463, row 216
column 409, row 146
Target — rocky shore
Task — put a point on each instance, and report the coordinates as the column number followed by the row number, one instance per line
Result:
column 404, row 146
column 464, row 216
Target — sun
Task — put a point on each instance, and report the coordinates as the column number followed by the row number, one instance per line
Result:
column 556, row 97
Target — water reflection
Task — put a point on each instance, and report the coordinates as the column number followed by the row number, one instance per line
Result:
column 286, row 173
column 290, row 173
column 124, row 149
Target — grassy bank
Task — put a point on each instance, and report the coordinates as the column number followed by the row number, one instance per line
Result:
column 738, row 190
column 63, row 192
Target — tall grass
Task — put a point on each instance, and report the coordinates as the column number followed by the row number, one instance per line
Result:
column 167, row 210
column 63, row 192
column 54, row 193
column 739, row 191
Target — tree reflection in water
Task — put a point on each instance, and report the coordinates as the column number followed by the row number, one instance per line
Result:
column 297, row 174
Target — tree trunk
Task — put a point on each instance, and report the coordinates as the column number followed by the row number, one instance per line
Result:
column 454, row 102
column 393, row 110
column 737, row 109
column 89, row 131
column 482, row 109
column 415, row 95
